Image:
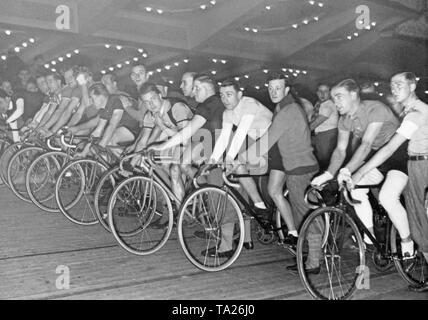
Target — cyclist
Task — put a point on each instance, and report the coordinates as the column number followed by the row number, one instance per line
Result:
column 414, row 129
column 373, row 123
column 115, row 125
column 252, row 119
column 165, row 117
column 290, row 134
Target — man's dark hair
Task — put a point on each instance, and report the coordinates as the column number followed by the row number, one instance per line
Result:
column 409, row 76
column 98, row 89
column 112, row 76
column 230, row 83
column 148, row 87
column 203, row 78
column 278, row 76
column 350, row 85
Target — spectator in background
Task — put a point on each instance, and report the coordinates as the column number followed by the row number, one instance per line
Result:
column 324, row 125
column 23, row 77
column 368, row 91
column 7, row 87
column 37, row 65
column 139, row 76
column 186, row 87
column 305, row 97
column 31, row 86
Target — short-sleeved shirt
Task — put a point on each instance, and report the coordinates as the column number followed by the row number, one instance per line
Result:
column 89, row 113
column 250, row 106
column 370, row 111
column 212, row 111
column 179, row 112
column 116, row 102
column 328, row 110
column 417, row 117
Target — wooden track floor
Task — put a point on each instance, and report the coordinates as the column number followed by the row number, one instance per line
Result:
column 34, row 244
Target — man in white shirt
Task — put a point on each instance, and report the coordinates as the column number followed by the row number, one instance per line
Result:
column 324, row 124
column 252, row 119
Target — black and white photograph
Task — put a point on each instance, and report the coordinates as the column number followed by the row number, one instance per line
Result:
column 212, row 155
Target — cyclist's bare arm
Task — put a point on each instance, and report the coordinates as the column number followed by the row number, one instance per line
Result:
column 47, row 115
column 66, row 115
column 57, row 114
column 364, row 149
column 143, row 138
column 111, row 127
column 91, row 124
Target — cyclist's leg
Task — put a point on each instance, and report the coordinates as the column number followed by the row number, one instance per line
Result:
column 177, row 182
column 297, row 185
column 364, row 210
column 389, row 198
column 250, row 187
column 415, row 196
column 275, row 190
column 121, row 135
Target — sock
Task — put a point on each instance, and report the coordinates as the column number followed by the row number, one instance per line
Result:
column 260, row 205
column 293, row 233
column 407, row 247
column 367, row 239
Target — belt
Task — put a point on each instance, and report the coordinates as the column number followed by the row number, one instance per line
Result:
column 418, row 158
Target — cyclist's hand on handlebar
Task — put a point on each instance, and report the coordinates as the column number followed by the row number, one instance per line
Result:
column 344, row 176
column 321, row 179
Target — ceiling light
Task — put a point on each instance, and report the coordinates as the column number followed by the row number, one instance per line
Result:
column 17, row 49
column 295, row 74
column 368, row 27
column 119, row 47
column 349, row 37
column 257, row 87
column 224, row 61
column 145, row 55
column 213, row 2
column 203, row 6
column 60, row 59
column 247, row 29
column 268, row 7
column 135, row 59
column 47, row 65
column 320, row 4
column 151, row 73
column 68, row 55
column 417, row 78
column 426, row 92
column 374, row 23
column 159, row 70
column 111, row 68
column 119, row 65
column 127, row 62
column 214, row 72
column 219, row 83
column 316, row 18
column 295, row 26
column 186, row 60
column 8, row 32
column 140, row 50
column 255, row 30
column 176, row 64
column 236, row 78
column 107, row 46
column 53, row 70
column 266, row 85
column 265, row 70
column 312, row 2
column 148, row 9
column 304, row 72
column 24, row 44
column 76, row 51
column 246, row 76
column 53, row 63
column 103, row 71
column 171, row 82
column 356, row 34
column 160, row 11
column 3, row 57
column 305, row 21
column 167, row 67
column 214, row 60
column 376, row 84
column 381, row 94
column 291, row 70
column 32, row 40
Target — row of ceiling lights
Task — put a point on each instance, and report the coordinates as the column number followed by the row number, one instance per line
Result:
column 356, row 34
column 19, row 47
column 204, row 6
column 51, row 65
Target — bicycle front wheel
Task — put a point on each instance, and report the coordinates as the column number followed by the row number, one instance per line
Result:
column 75, row 189
column 41, row 179
column 17, row 170
column 140, row 215
column 203, row 217
column 330, row 236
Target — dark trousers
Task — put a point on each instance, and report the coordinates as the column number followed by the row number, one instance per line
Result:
column 325, row 142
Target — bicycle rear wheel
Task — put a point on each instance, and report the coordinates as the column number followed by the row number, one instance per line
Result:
column 413, row 271
column 331, row 233
column 42, row 177
column 75, row 189
column 17, row 170
column 4, row 144
column 205, row 211
column 140, row 215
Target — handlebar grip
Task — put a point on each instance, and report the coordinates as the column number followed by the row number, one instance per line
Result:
column 64, row 143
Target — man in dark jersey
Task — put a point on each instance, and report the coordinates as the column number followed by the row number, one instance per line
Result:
column 115, row 124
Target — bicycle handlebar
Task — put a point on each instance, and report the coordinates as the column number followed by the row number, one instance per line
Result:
column 315, row 190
